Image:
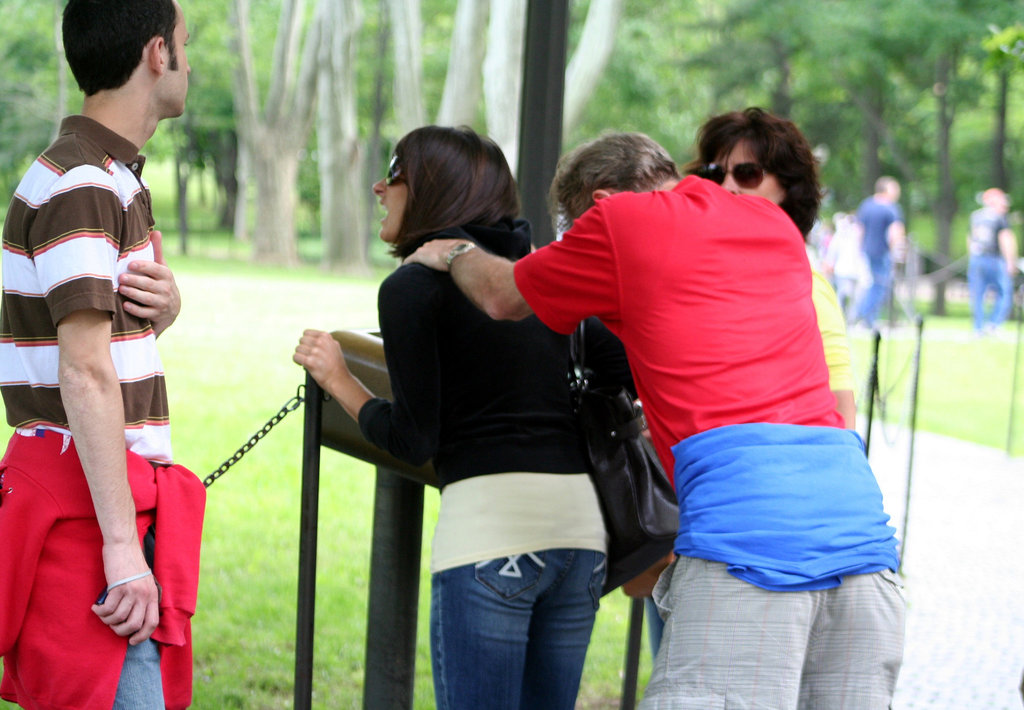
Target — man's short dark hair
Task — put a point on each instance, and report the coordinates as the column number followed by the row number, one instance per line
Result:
column 104, row 39
column 779, row 147
column 454, row 176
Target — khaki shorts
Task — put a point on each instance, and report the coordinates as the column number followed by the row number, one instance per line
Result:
column 730, row 645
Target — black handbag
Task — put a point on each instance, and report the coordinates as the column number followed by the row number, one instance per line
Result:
column 639, row 506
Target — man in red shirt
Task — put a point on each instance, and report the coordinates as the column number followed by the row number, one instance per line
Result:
column 780, row 515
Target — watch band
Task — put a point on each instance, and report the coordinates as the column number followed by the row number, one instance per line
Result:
column 458, row 250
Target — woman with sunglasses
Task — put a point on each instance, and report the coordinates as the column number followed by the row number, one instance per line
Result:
column 517, row 559
column 753, row 152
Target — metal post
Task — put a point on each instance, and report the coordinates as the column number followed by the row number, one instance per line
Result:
column 393, row 593
column 913, row 430
column 872, row 388
column 633, row 638
column 306, row 610
column 1016, row 368
column 540, row 125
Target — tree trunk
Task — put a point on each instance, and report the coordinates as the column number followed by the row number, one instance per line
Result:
column 226, row 168
column 241, row 222
column 463, row 84
column 341, row 193
column 782, row 98
column 408, row 31
column 62, row 67
column 275, row 174
column 503, row 75
column 374, row 164
column 873, row 115
column 590, row 59
column 181, row 173
column 999, row 177
column 945, row 204
column 274, row 136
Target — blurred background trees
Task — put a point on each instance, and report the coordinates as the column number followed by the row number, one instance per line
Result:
column 295, row 105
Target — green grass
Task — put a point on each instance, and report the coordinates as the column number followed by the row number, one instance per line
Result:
column 229, row 369
column 964, row 386
column 228, row 360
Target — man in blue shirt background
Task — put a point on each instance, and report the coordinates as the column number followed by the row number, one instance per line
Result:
column 993, row 261
column 884, row 233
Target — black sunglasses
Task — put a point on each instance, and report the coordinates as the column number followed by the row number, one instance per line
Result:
column 747, row 175
column 394, row 171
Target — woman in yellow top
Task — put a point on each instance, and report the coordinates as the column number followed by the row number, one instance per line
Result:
column 747, row 153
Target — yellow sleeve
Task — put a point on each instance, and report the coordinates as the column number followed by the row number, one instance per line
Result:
column 833, row 333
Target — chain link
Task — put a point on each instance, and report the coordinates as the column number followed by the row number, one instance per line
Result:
column 290, row 406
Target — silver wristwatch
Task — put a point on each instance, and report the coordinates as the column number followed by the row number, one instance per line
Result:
column 458, row 250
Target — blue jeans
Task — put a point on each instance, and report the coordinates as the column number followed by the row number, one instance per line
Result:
column 512, row 633
column 140, row 687
column 875, row 295
column 655, row 625
column 986, row 272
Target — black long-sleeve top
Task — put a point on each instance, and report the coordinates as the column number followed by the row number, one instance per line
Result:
column 478, row 396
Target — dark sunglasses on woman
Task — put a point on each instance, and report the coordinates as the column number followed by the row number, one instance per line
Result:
column 747, row 175
column 394, row 171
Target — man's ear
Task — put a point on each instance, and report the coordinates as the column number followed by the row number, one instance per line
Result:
column 155, row 55
column 601, row 193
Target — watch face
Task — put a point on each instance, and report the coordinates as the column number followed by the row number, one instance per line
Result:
column 459, row 249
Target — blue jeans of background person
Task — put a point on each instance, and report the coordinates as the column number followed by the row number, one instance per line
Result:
column 512, row 633
column 875, row 295
column 140, row 687
column 655, row 626
column 984, row 272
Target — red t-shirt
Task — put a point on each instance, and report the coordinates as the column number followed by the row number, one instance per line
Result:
column 709, row 292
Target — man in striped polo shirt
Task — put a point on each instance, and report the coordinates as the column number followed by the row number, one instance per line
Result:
column 84, row 296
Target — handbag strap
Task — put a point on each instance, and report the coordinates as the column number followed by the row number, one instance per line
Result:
column 576, row 345
column 577, row 372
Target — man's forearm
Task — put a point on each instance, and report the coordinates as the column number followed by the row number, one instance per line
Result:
column 489, row 282
column 92, row 400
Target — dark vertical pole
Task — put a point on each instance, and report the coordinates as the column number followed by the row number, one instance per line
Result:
column 1016, row 368
column 913, row 431
column 540, row 125
column 876, row 340
column 633, row 638
column 306, row 612
column 394, row 592
column 540, row 144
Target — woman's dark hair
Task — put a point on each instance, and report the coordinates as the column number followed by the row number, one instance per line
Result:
column 779, row 147
column 454, row 177
column 104, row 39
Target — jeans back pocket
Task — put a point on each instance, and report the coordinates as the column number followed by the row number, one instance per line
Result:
column 511, row 576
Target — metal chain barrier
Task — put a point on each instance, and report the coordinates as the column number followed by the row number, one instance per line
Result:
column 290, row 406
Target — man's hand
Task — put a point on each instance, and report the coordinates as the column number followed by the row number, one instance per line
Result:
column 433, row 254
column 487, row 280
column 131, row 609
column 643, row 584
column 149, row 289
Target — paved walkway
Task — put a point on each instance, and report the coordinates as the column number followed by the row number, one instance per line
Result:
column 963, row 567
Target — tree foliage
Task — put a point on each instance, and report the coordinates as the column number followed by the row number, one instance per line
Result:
column 921, row 89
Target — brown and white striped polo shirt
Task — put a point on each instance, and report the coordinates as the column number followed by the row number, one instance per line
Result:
column 80, row 215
